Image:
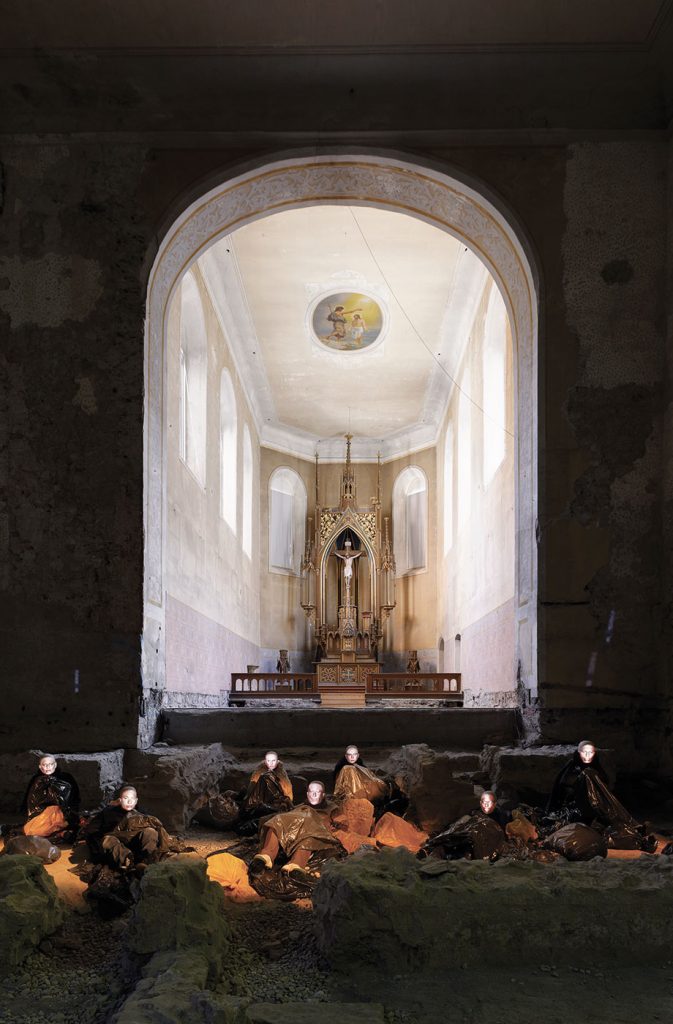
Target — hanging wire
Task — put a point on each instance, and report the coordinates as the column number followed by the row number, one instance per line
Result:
column 418, row 334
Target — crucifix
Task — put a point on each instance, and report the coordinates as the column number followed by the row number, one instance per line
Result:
column 348, row 556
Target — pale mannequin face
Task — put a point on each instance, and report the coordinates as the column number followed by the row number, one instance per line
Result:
column 587, row 753
column 315, row 793
column 487, row 803
column 352, row 754
column 128, row 799
column 47, row 765
column 271, row 760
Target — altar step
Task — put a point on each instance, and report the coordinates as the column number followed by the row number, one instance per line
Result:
column 342, row 696
column 267, row 728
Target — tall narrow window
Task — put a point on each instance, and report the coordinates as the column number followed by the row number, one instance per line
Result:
column 287, row 521
column 228, row 481
column 495, row 354
column 246, row 538
column 464, row 451
column 410, row 518
column 448, row 489
column 193, row 378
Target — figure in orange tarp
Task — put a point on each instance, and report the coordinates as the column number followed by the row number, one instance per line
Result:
column 300, row 833
column 352, row 779
column 269, row 788
column 51, row 803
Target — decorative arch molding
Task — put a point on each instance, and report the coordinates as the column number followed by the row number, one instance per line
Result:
column 393, row 182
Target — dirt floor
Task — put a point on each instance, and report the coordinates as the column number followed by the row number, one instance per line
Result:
column 82, row 973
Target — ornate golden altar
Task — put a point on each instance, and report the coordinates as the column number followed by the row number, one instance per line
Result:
column 348, row 582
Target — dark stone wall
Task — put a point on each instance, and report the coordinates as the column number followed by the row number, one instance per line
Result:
column 79, row 227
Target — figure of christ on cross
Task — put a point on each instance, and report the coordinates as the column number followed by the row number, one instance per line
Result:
column 348, row 556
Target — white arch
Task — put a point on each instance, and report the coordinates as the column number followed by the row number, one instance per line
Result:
column 193, row 378
column 246, row 525
column 287, row 520
column 228, row 450
column 410, row 520
column 394, row 182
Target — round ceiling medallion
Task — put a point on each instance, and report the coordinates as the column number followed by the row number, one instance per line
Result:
column 347, row 321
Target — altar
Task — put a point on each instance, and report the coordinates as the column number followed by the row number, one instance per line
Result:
column 348, row 585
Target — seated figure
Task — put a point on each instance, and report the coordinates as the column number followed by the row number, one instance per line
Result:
column 581, row 794
column 51, row 803
column 488, row 806
column 352, row 778
column 123, row 836
column 299, row 833
column 269, row 788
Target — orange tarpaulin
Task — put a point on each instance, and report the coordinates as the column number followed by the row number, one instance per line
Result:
column 232, row 874
column 354, row 815
column 391, row 830
column 48, row 821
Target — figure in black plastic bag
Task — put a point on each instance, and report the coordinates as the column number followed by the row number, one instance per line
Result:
column 581, row 794
column 124, row 837
column 300, row 834
column 352, row 778
column 51, row 803
column 479, row 835
column 269, row 789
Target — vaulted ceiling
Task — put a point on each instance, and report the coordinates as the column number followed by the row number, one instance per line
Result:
column 265, row 280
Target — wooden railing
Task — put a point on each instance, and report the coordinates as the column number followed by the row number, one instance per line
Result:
column 273, row 684
column 417, row 684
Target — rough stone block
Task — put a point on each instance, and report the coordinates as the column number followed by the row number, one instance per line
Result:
column 29, row 908
column 172, row 781
column 180, row 909
column 389, row 912
column 428, row 779
column 173, row 991
column 314, row 1013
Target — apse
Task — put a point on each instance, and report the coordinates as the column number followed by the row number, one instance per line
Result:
column 286, row 336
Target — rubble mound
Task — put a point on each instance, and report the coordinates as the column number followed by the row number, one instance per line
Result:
column 179, row 908
column 428, row 778
column 29, row 908
column 389, row 912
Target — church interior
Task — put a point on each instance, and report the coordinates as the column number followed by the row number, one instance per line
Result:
column 336, row 512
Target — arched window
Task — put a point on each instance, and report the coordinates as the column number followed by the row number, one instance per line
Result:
column 448, row 489
column 464, row 451
column 495, row 353
column 193, row 378
column 287, row 521
column 246, row 538
column 228, row 480
column 410, row 518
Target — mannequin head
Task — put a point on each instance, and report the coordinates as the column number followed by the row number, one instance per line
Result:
column 586, row 750
column 315, row 793
column 352, row 754
column 271, row 759
column 47, row 764
column 128, row 798
column 487, row 801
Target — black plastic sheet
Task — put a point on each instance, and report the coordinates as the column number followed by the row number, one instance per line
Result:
column 577, row 842
column 475, row 836
column 33, row 846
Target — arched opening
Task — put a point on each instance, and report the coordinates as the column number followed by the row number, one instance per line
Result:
column 458, row 453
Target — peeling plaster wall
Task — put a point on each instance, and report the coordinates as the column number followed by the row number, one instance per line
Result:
column 72, row 245
column 602, row 546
